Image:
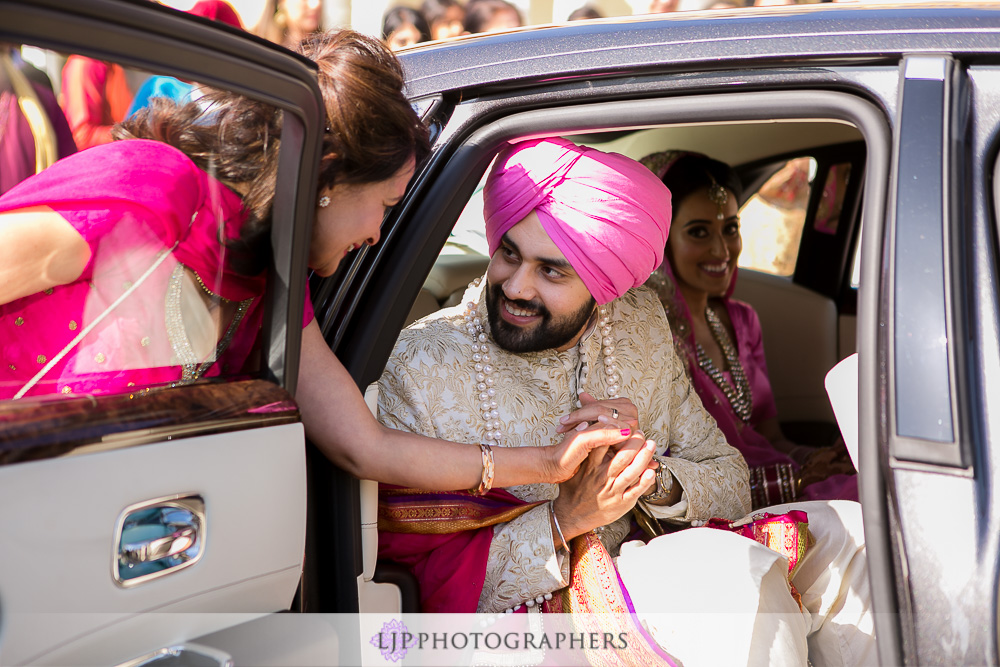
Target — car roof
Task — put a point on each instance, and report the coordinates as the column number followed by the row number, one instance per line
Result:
column 686, row 41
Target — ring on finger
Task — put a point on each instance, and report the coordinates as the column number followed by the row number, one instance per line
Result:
column 614, row 413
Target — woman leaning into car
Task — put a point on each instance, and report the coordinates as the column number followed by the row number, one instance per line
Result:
column 142, row 262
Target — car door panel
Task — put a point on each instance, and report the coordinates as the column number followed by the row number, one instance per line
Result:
column 59, row 548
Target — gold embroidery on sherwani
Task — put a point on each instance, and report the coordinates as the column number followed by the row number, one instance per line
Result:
column 428, row 388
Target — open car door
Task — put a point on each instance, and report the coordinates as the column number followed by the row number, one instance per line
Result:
column 130, row 521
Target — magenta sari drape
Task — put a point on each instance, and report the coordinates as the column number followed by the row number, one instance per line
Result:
column 130, row 201
column 444, row 539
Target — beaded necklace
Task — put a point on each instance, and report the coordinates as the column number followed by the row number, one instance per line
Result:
column 482, row 361
column 738, row 392
column 487, row 393
column 192, row 367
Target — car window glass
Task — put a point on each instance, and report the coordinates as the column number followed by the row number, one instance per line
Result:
column 771, row 220
column 469, row 233
column 170, row 294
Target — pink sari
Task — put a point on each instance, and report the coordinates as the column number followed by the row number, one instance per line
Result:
column 772, row 471
column 132, row 202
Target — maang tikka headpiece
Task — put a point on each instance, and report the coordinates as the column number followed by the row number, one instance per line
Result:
column 717, row 195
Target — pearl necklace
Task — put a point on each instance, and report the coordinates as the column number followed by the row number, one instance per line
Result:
column 482, row 363
column 738, row 392
column 486, row 392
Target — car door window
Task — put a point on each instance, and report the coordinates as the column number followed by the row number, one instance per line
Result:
column 831, row 204
column 166, row 296
column 156, row 435
column 772, row 218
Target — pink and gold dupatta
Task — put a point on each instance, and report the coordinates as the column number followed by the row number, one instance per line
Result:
column 444, row 539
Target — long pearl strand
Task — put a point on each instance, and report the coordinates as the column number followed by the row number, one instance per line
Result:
column 482, row 361
column 608, row 353
column 488, row 406
column 483, row 364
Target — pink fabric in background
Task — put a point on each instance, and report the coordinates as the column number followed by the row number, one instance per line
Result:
column 756, row 449
column 17, row 150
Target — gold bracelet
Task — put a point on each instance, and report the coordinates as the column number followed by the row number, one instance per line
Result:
column 487, row 482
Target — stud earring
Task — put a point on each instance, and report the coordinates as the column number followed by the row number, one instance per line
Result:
column 324, row 201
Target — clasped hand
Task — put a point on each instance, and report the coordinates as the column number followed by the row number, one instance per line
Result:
column 620, row 412
column 606, row 486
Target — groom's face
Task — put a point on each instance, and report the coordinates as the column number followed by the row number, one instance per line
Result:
column 534, row 299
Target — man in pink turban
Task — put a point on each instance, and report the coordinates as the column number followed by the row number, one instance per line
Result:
column 604, row 215
column 561, row 334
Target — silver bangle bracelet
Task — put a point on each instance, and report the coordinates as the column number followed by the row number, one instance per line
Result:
column 555, row 522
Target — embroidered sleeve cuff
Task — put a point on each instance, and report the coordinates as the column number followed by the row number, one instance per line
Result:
column 523, row 564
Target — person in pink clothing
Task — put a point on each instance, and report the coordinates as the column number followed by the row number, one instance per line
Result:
column 721, row 337
column 142, row 263
column 33, row 128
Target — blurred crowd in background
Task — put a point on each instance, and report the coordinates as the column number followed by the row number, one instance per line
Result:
column 54, row 104
column 402, row 23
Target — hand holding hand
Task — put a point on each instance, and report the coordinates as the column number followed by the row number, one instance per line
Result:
column 620, row 412
column 563, row 460
column 606, row 486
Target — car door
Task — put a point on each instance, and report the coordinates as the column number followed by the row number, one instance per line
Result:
column 131, row 520
column 930, row 401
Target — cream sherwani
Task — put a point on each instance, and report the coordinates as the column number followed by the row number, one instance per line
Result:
column 709, row 597
column 429, row 387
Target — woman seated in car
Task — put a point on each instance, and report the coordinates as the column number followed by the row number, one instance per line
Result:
column 721, row 337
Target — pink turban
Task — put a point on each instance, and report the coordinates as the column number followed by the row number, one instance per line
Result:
column 608, row 214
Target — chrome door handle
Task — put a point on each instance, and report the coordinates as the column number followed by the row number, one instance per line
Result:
column 175, row 544
column 158, row 537
column 183, row 654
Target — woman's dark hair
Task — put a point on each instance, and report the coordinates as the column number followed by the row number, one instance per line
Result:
column 371, row 132
column 434, row 10
column 399, row 16
column 691, row 173
column 478, row 13
column 584, row 13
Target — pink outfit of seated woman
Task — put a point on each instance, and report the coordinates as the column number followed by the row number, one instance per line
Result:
column 721, row 337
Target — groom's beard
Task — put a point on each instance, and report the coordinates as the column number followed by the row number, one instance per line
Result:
column 548, row 334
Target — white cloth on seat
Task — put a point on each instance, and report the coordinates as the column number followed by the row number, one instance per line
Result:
column 716, row 598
